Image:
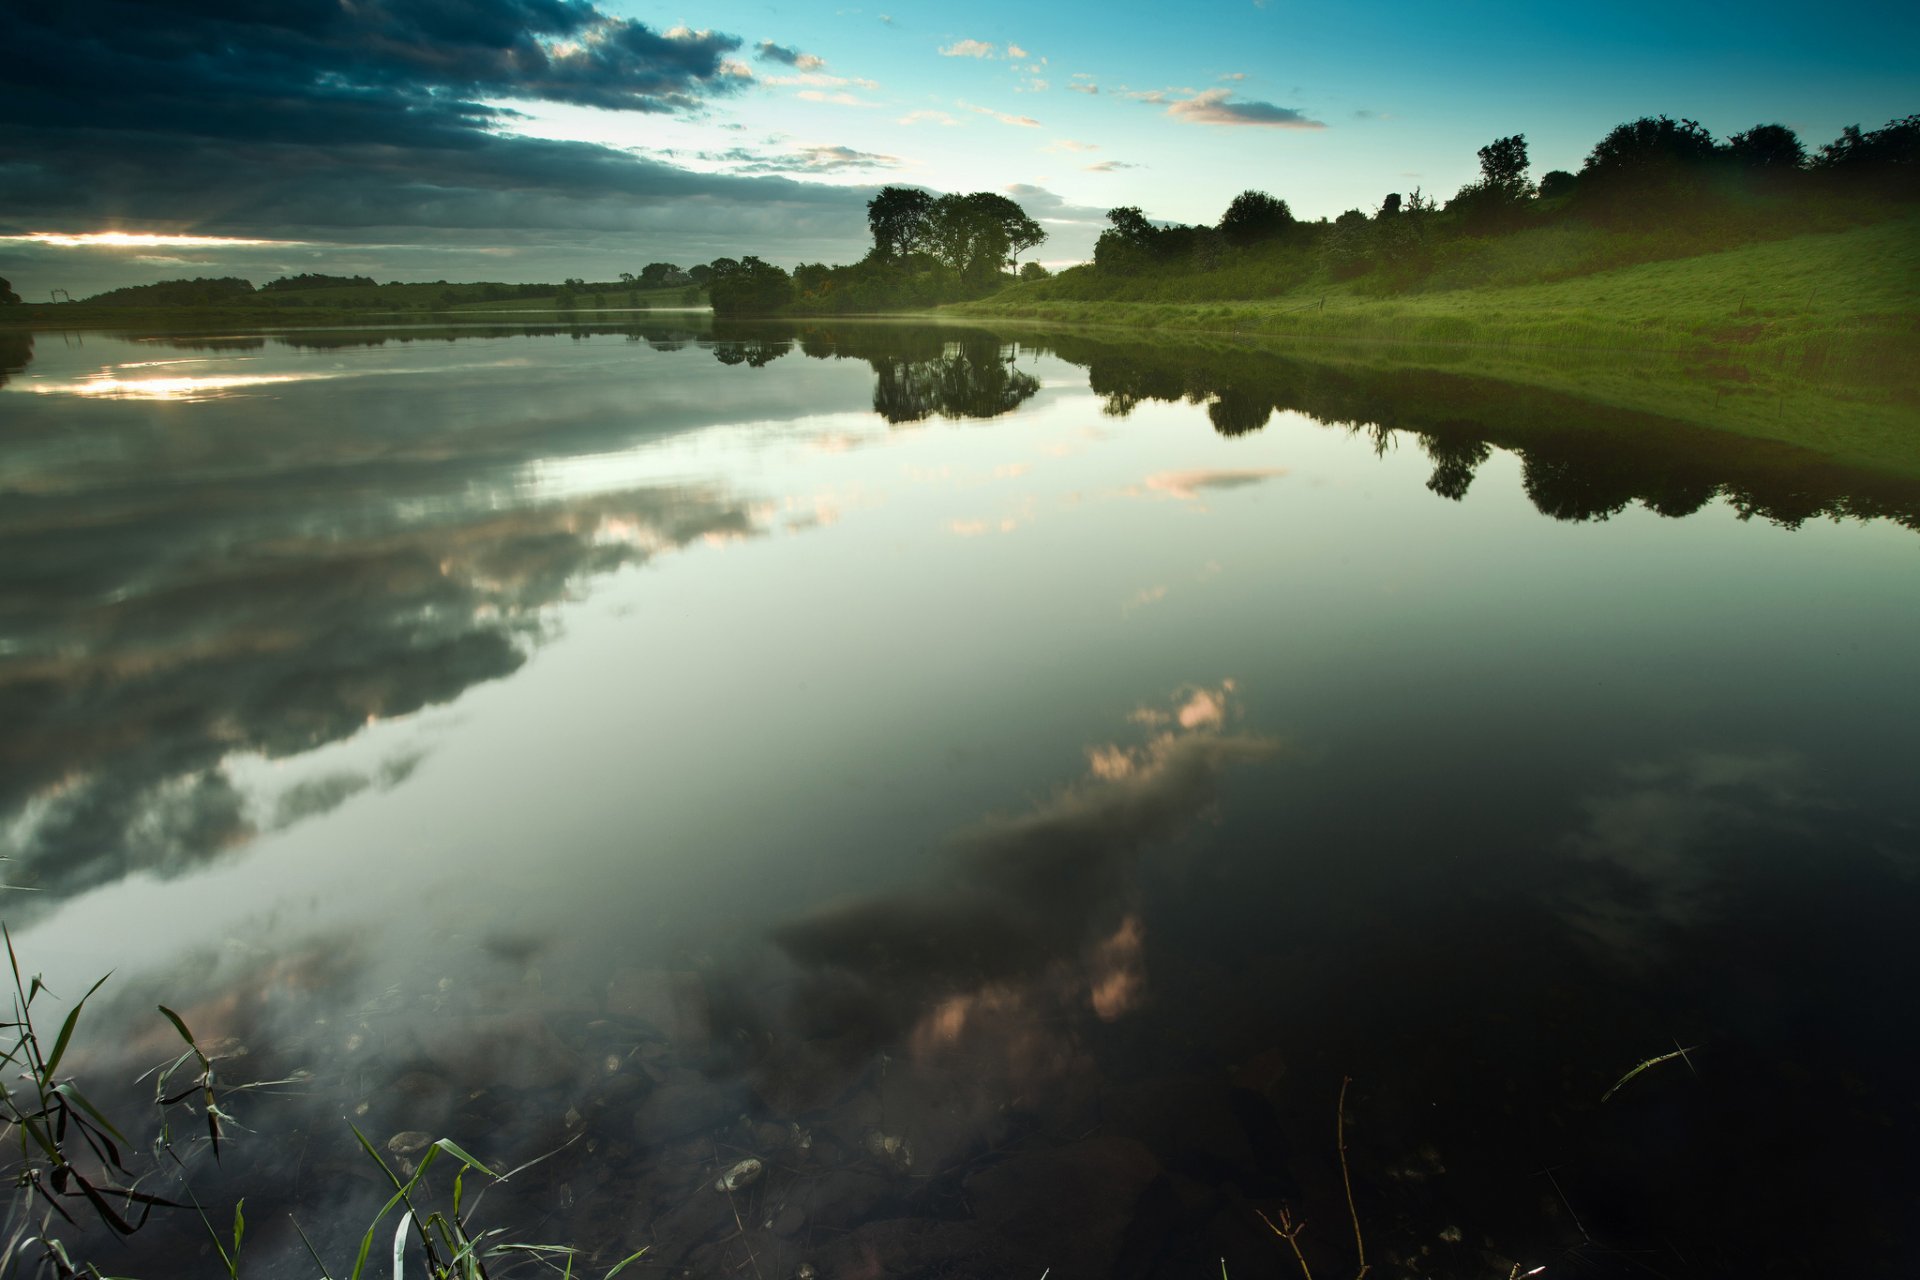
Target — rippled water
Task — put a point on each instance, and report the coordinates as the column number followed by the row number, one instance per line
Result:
column 1005, row 787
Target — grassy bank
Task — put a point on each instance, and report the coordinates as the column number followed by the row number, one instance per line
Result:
column 1808, row 298
column 1812, row 341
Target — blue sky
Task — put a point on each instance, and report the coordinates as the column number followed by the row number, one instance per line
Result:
column 797, row 113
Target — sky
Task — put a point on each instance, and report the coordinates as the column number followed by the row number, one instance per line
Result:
column 536, row 139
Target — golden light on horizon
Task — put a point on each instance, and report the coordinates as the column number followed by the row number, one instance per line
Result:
column 185, row 388
column 137, row 240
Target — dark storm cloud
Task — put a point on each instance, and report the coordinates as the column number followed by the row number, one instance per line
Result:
column 308, row 64
column 336, row 120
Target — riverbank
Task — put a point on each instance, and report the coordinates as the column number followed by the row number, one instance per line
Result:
column 1812, row 341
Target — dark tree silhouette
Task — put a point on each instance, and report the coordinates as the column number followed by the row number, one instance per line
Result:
column 757, row 288
column 1889, row 157
column 1642, row 168
column 8, row 297
column 1770, row 147
column 898, row 218
column 1254, row 216
column 1503, row 165
column 1455, row 459
column 1390, row 207
column 1556, row 183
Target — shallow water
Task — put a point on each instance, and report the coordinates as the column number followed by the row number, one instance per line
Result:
column 1071, row 757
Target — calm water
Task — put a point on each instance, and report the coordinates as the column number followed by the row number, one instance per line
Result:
column 1005, row 787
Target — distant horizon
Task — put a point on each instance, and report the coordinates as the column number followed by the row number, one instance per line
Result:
column 521, row 142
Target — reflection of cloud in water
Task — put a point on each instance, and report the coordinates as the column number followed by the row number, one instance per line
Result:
column 123, row 710
column 311, row 797
column 1665, row 834
column 1034, row 913
column 1187, row 485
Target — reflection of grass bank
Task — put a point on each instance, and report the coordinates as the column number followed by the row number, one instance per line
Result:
column 1812, row 341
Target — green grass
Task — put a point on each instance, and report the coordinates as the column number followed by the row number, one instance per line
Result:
column 1812, row 341
column 1858, row 283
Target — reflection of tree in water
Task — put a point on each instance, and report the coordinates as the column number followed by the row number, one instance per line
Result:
column 1581, row 461
column 920, row 372
column 16, row 353
column 748, row 343
column 1455, row 459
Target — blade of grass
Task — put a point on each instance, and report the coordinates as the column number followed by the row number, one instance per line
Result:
column 66, row 1028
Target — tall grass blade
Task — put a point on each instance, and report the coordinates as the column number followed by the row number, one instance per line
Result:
column 66, row 1028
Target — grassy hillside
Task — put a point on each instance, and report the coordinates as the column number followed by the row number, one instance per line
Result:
column 1842, row 301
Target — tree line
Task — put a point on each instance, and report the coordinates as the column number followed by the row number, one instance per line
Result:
column 1644, row 173
column 926, row 250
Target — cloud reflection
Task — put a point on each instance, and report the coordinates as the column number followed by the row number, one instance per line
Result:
column 1034, row 913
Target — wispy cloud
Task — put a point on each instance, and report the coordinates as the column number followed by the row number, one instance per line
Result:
column 841, row 99
column 970, row 49
column 834, row 159
column 1110, row 166
column 1021, row 122
column 821, row 80
column 924, row 116
column 1070, row 144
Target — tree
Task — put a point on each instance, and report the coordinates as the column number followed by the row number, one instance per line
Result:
column 1556, row 183
column 659, row 275
column 1347, row 249
column 1031, row 271
column 1889, row 155
column 1127, row 242
column 1503, row 166
column 700, row 273
column 757, row 288
column 1255, row 216
column 721, row 268
column 978, row 235
column 1771, row 148
column 8, row 298
column 898, row 218
column 1642, row 168
column 1390, row 207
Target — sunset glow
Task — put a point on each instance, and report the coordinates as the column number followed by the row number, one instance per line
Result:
column 136, row 240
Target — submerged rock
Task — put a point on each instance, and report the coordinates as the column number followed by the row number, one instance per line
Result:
column 890, row 1149
column 743, row 1174
column 409, row 1141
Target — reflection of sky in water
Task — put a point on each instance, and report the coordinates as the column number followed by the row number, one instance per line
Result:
column 634, row 653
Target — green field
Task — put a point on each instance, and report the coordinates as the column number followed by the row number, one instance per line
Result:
column 1808, row 297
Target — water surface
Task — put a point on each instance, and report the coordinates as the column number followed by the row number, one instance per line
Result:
column 1069, row 757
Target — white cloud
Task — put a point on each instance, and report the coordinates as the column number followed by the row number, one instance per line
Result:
column 970, row 49
column 842, row 99
column 1216, row 106
column 1021, row 122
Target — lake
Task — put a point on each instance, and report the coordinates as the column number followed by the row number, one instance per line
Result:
column 1055, row 801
